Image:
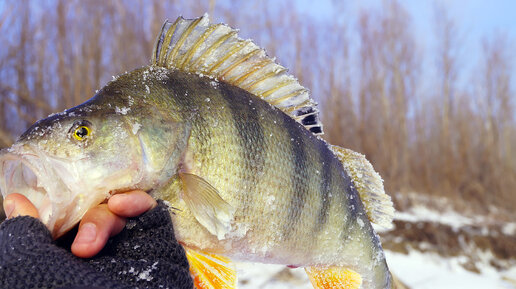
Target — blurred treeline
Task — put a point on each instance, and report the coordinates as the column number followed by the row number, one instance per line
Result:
column 425, row 132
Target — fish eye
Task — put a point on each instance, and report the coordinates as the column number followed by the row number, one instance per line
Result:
column 81, row 131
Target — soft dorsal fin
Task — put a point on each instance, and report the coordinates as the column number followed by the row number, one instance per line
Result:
column 216, row 51
column 369, row 185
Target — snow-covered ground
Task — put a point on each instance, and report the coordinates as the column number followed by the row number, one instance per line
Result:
column 418, row 270
column 448, row 217
column 429, row 271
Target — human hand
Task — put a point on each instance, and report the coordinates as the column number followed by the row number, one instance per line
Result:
column 98, row 224
column 149, row 240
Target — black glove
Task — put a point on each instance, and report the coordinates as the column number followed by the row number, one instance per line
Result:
column 144, row 255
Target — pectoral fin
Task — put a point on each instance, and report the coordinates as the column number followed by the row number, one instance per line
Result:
column 207, row 205
column 211, row 271
column 333, row 277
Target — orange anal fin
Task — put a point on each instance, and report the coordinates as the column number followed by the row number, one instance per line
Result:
column 333, row 277
column 210, row 271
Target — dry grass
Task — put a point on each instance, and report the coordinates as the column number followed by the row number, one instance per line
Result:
column 451, row 140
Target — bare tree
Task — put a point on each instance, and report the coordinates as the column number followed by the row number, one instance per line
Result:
column 454, row 141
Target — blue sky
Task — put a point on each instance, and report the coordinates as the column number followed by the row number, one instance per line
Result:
column 475, row 21
column 478, row 17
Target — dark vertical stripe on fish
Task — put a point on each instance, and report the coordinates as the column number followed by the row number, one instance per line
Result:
column 299, row 180
column 194, row 109
column 326, row 185
column 251, row 140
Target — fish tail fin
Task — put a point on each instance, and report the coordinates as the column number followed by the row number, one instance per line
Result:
column 369, row 185
column 333, row 277
column 210, row 271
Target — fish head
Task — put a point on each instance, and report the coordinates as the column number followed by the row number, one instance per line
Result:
column 70, row 162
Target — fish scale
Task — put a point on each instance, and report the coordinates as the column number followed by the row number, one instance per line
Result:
column 290, row 157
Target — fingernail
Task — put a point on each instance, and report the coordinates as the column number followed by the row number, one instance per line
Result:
column 87, row 233
column 8, row 207
column 123, row 195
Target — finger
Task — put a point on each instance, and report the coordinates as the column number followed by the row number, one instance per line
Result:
column 18, row 205
column 131, row 204
column 97, row 225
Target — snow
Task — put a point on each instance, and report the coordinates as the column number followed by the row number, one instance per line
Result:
column 426, row 270
column 429, row 270
column 122, row 110
column 417, row 270
column 450, row 218
column 509, row 229
column 136, row 127
column 145, row 274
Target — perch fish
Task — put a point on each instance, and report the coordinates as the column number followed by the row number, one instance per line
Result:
column 232, row 141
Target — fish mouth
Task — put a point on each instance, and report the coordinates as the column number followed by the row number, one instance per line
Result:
column 19, row 175
column 34, row 175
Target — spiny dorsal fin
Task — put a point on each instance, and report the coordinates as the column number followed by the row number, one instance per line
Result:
column 215, row 50
column 369, row 185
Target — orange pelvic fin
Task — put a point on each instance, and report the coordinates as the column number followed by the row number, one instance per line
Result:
column 333, row 277
column 210, row 271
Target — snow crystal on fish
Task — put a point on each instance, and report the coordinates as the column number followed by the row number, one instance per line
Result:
column 130, row 100
column 136, row 127
column 122, row 110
